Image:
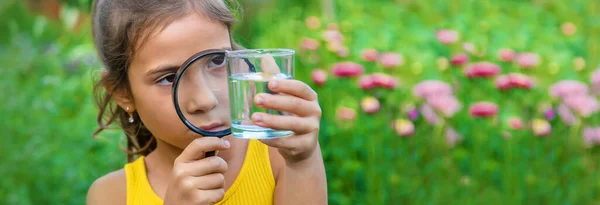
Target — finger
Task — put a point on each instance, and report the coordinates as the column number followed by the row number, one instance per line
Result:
column 197, row 148
column 208, row 196
column 208, row 182
column 293, row 144
column 293, row 87
column 209, row 165
column 268, row 64
column 285, row 122
column 287, row 103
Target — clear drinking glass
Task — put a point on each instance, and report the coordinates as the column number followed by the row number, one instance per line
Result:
column 249, row 72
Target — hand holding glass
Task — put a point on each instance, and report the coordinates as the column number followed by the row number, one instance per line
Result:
column 249, row 72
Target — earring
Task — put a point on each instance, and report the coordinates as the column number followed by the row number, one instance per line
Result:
column 131, row 120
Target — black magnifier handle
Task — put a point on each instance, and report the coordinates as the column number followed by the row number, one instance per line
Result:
column 250, row 66
column 210, row 154
column 253, row 70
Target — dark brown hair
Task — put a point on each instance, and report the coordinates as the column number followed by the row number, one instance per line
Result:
column 119, row 28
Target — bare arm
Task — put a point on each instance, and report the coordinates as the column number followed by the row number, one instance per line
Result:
column 300, row 183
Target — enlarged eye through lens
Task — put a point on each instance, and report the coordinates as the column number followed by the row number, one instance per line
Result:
column 217, row 61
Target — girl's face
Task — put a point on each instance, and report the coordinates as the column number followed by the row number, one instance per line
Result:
column 152, row 73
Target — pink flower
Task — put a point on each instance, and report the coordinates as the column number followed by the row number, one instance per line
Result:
column 404, row 127
column 503, row 82
column 334, row 46
column 370, row 105
column 565, row 114
column 549, row 114
column 459, row 59
column 344, row 113
column 482, row 70
column 384, row 80
column 319, row 76
column 309, row 44
column 429, row 114
column 447, row 36
column 483, row 109
column 515, row 123
column 528, row 60
column 568, row 28
column 412, row 114
column 469, row 47
column 370, row 55
column 520, row 81
column 342, row 51
column 312, row 22
column 432, row 87
column 506, row 135
column 391, row 60
column 506, row 54
column 595, row 80
column 584, row 105
column 446, row 104
column 366, row 82
column 381, row 80
column 566, row 88
column 332, row 35
column 591, row 136
column 347, row 69
column 452, row 137
column 333, row 26
column 541, row 127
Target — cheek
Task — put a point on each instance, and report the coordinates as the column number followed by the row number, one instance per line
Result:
column 223, row 97
column 156, row 110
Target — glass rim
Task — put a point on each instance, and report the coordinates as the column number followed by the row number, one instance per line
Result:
column 261, row 52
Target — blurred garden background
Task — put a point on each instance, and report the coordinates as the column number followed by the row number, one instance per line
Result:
column 424, row 101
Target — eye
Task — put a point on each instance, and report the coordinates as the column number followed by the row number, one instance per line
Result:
column 166, row 79
column 217, row 61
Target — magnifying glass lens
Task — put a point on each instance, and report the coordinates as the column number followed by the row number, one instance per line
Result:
column 198, row 86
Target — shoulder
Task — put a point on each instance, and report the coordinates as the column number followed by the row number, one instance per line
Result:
column 108, row 189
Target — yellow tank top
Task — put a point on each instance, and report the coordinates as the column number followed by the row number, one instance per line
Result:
column 254, row 184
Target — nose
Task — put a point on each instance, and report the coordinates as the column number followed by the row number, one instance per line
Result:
column 202, row 99
column 203, row 102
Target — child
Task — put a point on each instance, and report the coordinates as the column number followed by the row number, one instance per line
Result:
column 142, row 43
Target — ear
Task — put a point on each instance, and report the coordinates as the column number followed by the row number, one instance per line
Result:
column 121, row 96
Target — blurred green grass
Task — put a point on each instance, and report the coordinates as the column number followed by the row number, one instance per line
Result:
column 48, row 67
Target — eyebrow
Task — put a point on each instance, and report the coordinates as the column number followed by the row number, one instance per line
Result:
column 171, row 67
column 163, row 69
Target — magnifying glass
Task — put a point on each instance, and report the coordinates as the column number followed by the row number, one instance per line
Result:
column 202, row 75
column 202, row 79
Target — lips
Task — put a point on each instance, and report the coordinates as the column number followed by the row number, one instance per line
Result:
column 213, row 127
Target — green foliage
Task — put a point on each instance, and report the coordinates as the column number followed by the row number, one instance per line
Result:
column 367, row 163
column 48, row 154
